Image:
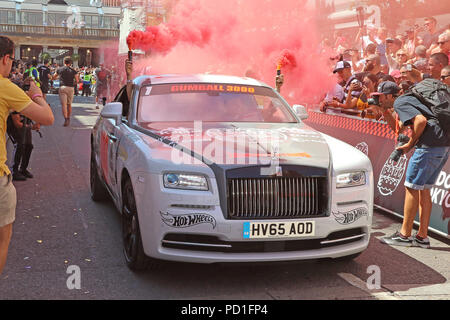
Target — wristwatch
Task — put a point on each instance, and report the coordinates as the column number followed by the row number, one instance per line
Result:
column 129, row 81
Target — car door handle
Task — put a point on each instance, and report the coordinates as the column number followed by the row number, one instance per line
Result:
column 112, row 137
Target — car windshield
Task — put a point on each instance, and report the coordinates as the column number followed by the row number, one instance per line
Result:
column 211, row 102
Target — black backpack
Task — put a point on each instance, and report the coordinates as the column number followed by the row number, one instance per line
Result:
column 436, row 96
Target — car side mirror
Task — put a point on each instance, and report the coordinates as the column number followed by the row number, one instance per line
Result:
column 113, row 110
column 300, row 111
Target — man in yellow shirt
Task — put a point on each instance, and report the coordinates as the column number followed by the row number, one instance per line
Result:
column 30, row 104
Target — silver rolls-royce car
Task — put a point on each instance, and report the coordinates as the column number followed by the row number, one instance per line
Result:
column 212, row 169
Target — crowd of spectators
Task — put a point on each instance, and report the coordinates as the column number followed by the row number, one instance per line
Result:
column 384, row 71
column 408, row 58
column 88, row 77
column 87, row 81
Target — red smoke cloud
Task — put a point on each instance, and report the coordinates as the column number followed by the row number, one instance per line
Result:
column 287, row 60
column 237, row 37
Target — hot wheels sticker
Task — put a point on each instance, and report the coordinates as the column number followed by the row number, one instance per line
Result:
column 187, row 220
column 350, row 216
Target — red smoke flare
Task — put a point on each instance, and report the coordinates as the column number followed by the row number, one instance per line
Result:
column 188, row 25
column 131, row 40
column 287, row 60
column 237, row 37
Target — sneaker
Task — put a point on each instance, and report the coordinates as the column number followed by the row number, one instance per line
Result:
column 26, row 173
column 96, row 106
column 66, row 122
column 424, row 243
column 398, row 240
column 18, row 176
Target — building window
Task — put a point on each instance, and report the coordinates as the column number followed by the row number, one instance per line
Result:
column 107, row 22
column 91, row 21
column 32, row 18
column 7, row 16
column 111, row 22
column 87, row 21
column 95, row 22
column 57, row 19
column 111, row 3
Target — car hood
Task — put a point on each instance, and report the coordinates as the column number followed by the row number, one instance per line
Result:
column 231, row 144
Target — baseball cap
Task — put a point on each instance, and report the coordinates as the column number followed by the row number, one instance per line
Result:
column 387, row 87
column 341, row 65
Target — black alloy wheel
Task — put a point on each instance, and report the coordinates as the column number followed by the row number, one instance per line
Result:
column 132, row 243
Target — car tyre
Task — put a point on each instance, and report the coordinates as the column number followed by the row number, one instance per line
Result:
column 133, row 249
column 98, row 190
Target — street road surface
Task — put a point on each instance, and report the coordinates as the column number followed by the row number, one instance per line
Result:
column 58, row 226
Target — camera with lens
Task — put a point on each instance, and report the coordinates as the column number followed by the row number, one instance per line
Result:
column 374, row 101
column 401, row 141
column 25, row 86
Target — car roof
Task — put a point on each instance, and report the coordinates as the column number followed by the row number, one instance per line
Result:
column 199, row 78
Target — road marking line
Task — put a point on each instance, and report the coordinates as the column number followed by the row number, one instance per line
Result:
column 360, row 284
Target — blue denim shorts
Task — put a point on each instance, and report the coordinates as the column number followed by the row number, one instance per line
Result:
column 424, row 167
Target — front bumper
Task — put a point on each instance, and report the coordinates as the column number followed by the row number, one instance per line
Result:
column 189, row 226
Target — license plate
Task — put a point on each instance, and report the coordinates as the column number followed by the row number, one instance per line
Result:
column 288, row 229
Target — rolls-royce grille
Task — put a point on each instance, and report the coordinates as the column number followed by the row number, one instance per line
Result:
column 279, row 197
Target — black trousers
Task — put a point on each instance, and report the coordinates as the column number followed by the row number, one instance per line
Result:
column 24, row 147
column 86, row 90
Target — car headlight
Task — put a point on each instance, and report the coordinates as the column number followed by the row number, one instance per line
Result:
column 351, row 179
column 185, row 181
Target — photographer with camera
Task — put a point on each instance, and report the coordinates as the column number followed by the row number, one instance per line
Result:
column 30, row 104
column 431, row 145
column 19, row 128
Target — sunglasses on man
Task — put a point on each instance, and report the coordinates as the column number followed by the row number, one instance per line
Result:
column 445, row 77
column 14, row 61
column 442, row 42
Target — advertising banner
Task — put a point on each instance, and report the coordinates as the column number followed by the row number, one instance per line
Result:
column 377, row 141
